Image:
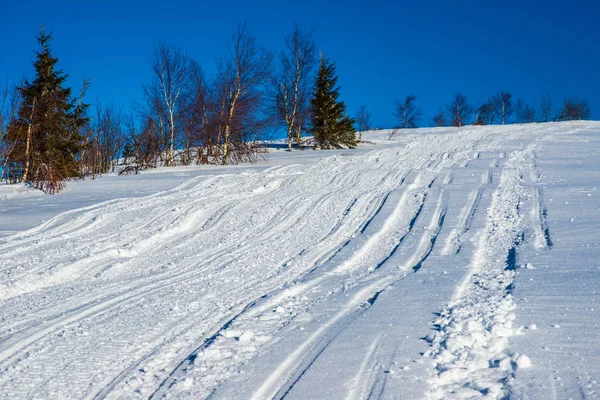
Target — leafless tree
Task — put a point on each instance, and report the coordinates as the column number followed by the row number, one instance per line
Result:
column 107, row 139
column 528, row 114
column 6, row 115
column 459, row 110
column 505, row 107
column 144, row 142
column 574, row 109
column 519, row 108
column 393, row 132
column 492, row 109
column 481, row 113
column 196, row 121
column 4, row 100
column 407, row 112
column 292, row 83
column 238, row 96
column 546, row 108
column 485, row 113
column 153, row 113
column 440, row 119
column 171, row 79
column 363, row 120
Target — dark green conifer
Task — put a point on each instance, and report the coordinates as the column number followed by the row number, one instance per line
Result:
column 44, row 141
column 330, row 125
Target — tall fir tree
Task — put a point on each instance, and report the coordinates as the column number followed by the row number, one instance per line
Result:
column 330, row 125
column 45, row 140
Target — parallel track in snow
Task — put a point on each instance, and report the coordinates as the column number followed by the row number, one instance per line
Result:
column 158, row 296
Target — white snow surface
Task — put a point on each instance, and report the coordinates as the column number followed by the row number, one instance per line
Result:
column 446, row 263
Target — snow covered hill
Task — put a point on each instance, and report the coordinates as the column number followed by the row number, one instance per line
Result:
column 444, row 263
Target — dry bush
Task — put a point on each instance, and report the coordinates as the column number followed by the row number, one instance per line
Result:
column 48, row 179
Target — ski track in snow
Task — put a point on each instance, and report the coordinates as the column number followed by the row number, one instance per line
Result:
column 171, row 294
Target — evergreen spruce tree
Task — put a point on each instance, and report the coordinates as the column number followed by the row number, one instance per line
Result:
column 330, row 125
column 44, row 141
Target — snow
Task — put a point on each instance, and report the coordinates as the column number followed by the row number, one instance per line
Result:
column 444, row 263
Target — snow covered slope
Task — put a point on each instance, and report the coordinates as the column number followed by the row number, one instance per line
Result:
column 446, row 263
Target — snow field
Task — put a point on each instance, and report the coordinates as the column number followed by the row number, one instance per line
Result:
column 313, row 280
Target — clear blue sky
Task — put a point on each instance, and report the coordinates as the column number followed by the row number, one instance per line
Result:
column 384, row 50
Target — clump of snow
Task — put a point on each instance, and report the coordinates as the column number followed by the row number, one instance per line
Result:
column 246, row 337
column 523, row 362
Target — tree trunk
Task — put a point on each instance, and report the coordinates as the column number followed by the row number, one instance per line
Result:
column 229, row 124
column 171, row 158
column 28, row 145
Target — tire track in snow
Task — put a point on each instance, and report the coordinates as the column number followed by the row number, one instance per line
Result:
column 180, row 369
column 273, row 300
column 425, row 246
column 542, row 237
column 430, row 237
column 486, row 178
column 292, row 369
column 224, row 255
column 301, row 359
column 412, row 266
column 365, row 377
column 126, row 295
column 453, row 242
column 469, row 345
column 186, row 221
column 418, row 190
column 83, row 220
column 333, row 249
column 309, row 205
column 127, row 299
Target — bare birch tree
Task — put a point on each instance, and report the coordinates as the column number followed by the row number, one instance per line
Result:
column 528, row 114
column 4, row 101
column 439, row 119
column 238, row 96
column 574, row 109
column 459, row 110
column 483, row 113
column 363, row 120
column 505, row 106
column 6, row 115
column 108, row 137
column 519, row 108
column 408, row 113
column 292, row 83
column 171, row 79
column 196, row 125
column 10, row 102
column 143, row 142
column 546, row 108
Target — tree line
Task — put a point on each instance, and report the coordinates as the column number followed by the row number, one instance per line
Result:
column 499, row 108
column 48, row 136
